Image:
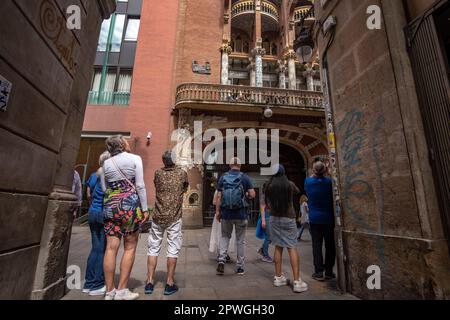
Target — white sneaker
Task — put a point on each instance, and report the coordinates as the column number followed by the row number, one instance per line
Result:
column 98, row 292
column 86, row 290
column 110, row 295
column 300, row 286
column 126, row 294
column 280, row 281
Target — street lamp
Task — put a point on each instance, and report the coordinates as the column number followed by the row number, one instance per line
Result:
column 268, row 112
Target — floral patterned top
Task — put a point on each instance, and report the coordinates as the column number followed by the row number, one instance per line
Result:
column 170, row 184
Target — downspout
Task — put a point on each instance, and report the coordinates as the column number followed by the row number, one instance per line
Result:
column 342, row 277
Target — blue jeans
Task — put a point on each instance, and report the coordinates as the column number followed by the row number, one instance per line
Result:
column 267, row 240
column 265, row 247
column 95, row 278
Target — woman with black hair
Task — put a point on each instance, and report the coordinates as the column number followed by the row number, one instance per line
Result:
column 283, row 228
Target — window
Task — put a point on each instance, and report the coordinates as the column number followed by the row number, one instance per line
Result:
column 104, row 31
column 124, row 81
column 132, row 30
column 116, row 88
column 116, row 41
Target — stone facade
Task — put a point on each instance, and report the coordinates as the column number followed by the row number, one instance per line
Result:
column 389, row 211
column 50, row 69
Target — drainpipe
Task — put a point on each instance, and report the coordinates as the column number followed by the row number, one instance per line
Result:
column 342, row 279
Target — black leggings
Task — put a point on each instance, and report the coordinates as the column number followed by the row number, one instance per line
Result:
column 319, row 233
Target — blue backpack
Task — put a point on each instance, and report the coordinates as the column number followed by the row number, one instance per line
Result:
column 233, row 195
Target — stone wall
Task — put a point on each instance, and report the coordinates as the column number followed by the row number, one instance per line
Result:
column 389, row 210
column 50, row 69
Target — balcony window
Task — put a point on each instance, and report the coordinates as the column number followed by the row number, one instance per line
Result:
column 132, row 30
column 116, row 87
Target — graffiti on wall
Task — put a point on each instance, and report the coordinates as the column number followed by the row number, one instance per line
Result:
column 357, row 188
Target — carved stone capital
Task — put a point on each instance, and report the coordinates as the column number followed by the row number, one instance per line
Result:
column 290, row 55
column 282, row 67
column 225, row 48
column 258, row 51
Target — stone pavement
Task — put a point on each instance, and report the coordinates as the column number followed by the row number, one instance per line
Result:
column 196, row 276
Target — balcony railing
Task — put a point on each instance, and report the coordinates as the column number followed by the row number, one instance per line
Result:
column 304, row 13
column 109, row 98
column 196, row 93
column 248, row 6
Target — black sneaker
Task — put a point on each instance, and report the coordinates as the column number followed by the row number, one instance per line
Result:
column 240, row 271
column 169, row 290
column 220, row 269
column 148, row 288
column 228, row 259
column 330, row 276
column 318, row 276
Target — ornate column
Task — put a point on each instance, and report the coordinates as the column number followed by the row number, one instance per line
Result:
column 309, row 75
column 252, row 72
column 290, row 58
column 258, row 53
column 226, row 51
column 282, row 74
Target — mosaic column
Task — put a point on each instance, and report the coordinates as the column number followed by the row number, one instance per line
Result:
column 290, row 57
column 258, row 53
column 282, row 74
column 226, row 51
column 309, row 75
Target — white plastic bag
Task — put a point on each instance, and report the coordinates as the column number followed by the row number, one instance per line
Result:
column 216, row 235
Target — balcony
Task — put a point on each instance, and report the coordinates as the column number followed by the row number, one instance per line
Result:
column 108, row 98
column 247, row 99
column 304, row 13
column 248, row 7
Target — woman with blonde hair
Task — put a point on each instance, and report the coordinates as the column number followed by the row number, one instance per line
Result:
column 304, row 217
column 125, row 209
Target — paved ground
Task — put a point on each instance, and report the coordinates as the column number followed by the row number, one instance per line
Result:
column 196, row 277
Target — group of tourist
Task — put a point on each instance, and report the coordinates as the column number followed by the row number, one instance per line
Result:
column 118, row 209
column 277, row 223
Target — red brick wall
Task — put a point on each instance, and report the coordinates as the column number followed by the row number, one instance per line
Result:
column 151, row 92
column 200, row 31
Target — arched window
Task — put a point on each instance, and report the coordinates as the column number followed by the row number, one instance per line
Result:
column 266, row 45
column 274, row 48
column 238, row 44
column 246, row 47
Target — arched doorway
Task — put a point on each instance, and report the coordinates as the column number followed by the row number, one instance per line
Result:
column 289, row 157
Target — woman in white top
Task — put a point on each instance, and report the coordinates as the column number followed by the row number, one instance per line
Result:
column 125, row 209
column 304, row 218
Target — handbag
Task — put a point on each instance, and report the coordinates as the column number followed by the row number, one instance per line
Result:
column 106, row 214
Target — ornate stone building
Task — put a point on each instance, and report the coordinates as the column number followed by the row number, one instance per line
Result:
column 223, row 63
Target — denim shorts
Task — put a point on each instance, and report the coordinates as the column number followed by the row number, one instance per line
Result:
column 283, row 232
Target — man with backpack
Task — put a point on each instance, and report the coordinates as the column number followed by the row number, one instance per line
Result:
column 234, row 188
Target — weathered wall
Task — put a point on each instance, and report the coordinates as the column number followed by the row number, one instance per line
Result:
column 390, row 215
column 50, row 68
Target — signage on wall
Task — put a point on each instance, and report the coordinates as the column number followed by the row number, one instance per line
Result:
column 5, row 92
column 202, row 69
